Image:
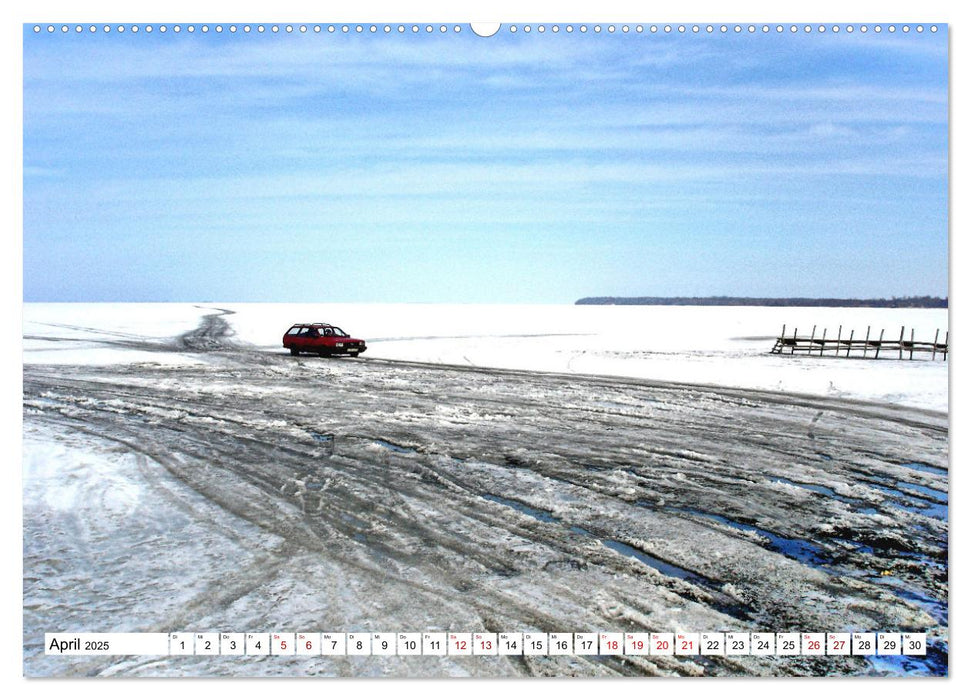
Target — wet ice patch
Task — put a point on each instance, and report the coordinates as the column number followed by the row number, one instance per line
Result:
column 824, row 490
column 666, row 568
column 543, row 515
column 927, row 468
column 394, row 447
column 932, row 503
column 794, row 548
column 931, row 494
column 932, row 606
column 855, row 503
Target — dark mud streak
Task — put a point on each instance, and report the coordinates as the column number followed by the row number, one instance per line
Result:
column 212, row 334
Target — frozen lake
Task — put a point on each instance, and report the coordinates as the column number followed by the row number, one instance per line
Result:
column 721, row 346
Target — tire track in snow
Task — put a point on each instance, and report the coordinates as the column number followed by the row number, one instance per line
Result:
column 418, row 521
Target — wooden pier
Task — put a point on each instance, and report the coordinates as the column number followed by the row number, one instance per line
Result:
column 870, row 346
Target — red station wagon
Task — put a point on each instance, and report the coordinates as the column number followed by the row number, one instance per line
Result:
column 321, row 339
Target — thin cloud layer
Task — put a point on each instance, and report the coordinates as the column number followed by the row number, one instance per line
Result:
column 544, row 150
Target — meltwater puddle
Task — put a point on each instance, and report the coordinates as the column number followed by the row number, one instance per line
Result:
column 856, row 504
column 792, row 547
column 930, row 494
column 666, row 568
column 933, row 607
column 931, row 502
column 804, row 551
column 393, row 447
column 927, row 468
column 721, row 602
column 817, row 488
column 544, row 515
column 935, row 663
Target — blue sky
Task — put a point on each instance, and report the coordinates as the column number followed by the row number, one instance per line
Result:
column 518, row 168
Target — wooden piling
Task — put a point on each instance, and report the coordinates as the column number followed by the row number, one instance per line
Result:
column 807, row 345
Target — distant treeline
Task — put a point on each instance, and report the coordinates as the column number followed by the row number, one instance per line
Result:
column 891, row 303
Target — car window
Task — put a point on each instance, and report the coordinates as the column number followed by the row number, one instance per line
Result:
column 294, row 331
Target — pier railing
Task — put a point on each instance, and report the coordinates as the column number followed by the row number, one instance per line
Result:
column 867, row 347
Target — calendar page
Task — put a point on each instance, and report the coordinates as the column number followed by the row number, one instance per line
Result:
column 426, row 349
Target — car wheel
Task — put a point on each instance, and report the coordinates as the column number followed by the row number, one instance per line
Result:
column 294, row 351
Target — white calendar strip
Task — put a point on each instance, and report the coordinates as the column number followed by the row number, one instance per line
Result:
column 487, row 644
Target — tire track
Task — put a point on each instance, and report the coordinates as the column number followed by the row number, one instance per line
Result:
column 401, row 497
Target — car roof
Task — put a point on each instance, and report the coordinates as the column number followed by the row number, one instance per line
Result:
column 324, row 325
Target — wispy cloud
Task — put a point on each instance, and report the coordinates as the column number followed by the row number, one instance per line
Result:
column 433, row 134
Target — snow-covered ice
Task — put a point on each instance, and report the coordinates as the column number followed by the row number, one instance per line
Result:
column 721, row 346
